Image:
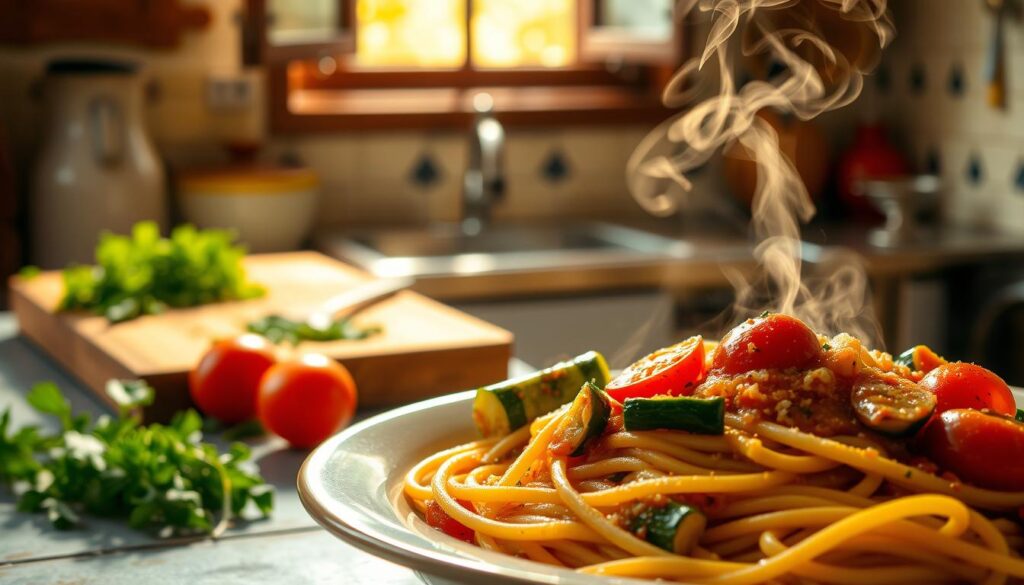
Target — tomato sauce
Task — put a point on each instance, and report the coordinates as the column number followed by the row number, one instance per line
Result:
column 814, row 400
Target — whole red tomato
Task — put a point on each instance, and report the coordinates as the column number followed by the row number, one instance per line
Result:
column 306, row 400
column 963, row 385
column 772, row 341
column 981, row 449
column 224, row 383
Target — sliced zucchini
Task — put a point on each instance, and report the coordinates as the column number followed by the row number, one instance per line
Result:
column 674, row 527
column 584, row 422
column 891, row 405
column 705, row 416
column 504, row 407
column 921, row 358
column 1020, row 415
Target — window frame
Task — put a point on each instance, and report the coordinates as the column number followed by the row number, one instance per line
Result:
column 303, row 99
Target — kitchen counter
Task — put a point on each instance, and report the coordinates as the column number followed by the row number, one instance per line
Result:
column 287, row 548
column 557, row 271
column 710, row 249
column 943, row 247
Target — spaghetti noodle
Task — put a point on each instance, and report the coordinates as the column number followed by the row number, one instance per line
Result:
column 780, row 503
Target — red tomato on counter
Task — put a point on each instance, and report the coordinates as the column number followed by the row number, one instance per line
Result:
column 773, row 341
column 674, row 370
column 225, row 382
column 307, row 399
column 980, row 448
column 963, row 385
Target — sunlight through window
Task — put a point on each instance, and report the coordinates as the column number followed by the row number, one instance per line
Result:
column 432, row 33
column 411, row 33
column 524, row 33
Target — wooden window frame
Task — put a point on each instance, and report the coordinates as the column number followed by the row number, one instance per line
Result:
column 304, row 99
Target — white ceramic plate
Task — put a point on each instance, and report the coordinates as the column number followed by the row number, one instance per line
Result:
column 352, row 486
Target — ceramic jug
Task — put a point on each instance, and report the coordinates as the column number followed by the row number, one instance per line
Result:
column 97, row 169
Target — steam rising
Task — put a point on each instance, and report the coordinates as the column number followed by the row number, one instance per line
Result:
column 816, row 77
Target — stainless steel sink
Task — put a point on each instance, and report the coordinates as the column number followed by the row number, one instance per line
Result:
column 445, row 250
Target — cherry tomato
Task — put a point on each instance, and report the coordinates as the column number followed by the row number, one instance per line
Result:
column 306, row 400
column 439, row 519
column 982, row 449
column 224, row 383
column 772, row 341
column 674, row 370
column 962, row 385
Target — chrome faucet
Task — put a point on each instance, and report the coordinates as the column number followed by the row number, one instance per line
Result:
column 484, row 182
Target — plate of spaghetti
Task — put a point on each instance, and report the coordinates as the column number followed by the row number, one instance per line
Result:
column 777, row 455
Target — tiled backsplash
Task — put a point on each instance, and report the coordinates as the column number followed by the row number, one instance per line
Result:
column 373, row 178
column 931, row 89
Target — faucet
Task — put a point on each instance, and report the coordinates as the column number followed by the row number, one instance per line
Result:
column 484, row 181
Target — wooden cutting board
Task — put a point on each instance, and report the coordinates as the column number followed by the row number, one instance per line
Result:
column 425, row 349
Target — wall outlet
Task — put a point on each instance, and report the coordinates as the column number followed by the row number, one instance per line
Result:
column 230, row 93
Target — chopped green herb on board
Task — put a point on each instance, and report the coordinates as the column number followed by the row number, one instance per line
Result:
column 281, row 329
column 143, row 273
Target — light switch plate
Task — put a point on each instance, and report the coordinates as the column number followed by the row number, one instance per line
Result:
column 230, row 93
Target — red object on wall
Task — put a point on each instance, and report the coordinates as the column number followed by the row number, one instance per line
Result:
column 871, row 156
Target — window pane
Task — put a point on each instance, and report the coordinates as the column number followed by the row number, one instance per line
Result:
column 650, row 19
column 411, row 33
column 301, row 20
column 524, row 33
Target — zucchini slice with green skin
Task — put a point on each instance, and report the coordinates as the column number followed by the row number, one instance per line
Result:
column 891, row 405
column 705, row 416
column 506, row 406
column 1020, row 415
column 583, row 423
column 674, row 527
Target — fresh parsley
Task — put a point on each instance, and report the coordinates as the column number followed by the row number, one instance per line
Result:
column 157, row 477
column 277, row 329
column 143, row 273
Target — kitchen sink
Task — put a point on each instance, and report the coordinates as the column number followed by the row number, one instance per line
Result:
column 446, row 250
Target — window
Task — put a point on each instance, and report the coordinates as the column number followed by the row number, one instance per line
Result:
column 349, row 64
column 411, row 33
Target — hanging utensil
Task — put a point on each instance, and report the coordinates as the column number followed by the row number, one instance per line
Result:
column 995, row 71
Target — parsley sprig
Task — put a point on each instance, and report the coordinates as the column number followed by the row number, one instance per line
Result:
column 282, row 329
column 143, row 273
column 156, row 477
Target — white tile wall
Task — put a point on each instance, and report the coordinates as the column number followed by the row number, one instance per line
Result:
column 938, row 35
column 366, row 176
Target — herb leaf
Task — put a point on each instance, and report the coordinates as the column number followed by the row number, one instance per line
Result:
column 155, row 477
column 46, row 398
column 130, row 394
column 143, row 274
column 282, row 329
